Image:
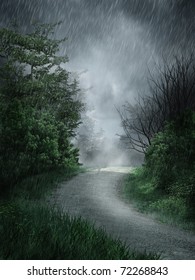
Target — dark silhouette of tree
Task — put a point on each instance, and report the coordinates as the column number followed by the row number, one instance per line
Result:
column 171, row 94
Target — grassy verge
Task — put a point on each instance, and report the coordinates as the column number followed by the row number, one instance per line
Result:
column 47, row 234
column 141, row 192
column 31, row 230
column 37, row 187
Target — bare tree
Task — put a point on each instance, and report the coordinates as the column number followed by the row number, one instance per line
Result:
column 172, row 93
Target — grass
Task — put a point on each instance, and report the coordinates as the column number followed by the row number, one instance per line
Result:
column 37, row 187
column 30, row 229
column 45, row 233
column 141, row 192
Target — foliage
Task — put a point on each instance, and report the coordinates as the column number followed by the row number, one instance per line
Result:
column 139, row 187
column 170, row 206
column 166, row 182
column 173, row 208
column 39, row 102
column 171, row 156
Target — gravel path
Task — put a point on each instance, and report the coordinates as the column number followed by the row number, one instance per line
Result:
column 94, row 196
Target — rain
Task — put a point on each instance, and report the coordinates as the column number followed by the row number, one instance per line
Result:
column 95, row 163
column 111, row 45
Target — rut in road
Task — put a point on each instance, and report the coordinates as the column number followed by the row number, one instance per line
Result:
column 94, row 196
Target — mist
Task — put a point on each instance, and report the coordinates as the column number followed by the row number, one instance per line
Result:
column 111, row 45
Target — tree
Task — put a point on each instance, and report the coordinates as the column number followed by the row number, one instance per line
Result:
column 171, row 94
column 39, row 100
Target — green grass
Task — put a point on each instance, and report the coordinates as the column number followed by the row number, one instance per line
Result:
column 37, row 187
column 30, row 229
column 140, row 190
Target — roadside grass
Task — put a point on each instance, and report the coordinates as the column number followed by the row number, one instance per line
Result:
column 141, row 192
column 39, row 186
column 31, row 229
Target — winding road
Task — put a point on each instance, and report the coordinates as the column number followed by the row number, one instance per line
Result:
column 94, row 196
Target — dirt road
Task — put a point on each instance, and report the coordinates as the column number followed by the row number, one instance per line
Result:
column 94, row 196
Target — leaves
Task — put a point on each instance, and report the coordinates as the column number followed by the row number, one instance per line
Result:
column 40, row 104
column 170, row 159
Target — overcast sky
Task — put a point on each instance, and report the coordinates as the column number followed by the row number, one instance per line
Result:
column 114, row 40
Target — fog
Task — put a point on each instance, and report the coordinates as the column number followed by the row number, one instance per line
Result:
column 111, row 43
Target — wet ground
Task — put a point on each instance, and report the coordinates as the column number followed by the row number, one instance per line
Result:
column 94, row 195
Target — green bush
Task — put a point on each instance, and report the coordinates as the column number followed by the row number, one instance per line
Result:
column 169, row 161
column 31, row 143
column 172, row 153
column 170, row 206
column 175, row 207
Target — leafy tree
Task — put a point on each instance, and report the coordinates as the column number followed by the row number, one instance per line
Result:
column 39, row 102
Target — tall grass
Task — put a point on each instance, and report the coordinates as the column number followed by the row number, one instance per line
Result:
column 30, row 231
column 37, row 187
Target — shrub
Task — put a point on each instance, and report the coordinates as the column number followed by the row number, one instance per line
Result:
column 172, row 152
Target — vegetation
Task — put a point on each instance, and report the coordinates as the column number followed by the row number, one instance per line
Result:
column 38, row 187
column 166, row 182
column 140, row 190
column 39, row 103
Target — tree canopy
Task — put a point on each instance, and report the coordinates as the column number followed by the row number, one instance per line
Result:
column 40, row 103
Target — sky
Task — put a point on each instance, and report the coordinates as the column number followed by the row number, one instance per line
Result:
column 111, row 43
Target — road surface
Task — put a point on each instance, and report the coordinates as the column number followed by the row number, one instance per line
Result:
column 94, row 196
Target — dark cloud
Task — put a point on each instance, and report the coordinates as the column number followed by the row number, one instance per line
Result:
column 166, row 22
column 115, row 40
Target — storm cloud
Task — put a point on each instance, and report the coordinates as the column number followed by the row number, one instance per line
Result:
column 113, row 41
